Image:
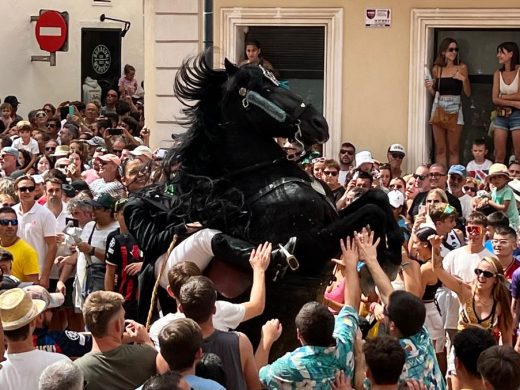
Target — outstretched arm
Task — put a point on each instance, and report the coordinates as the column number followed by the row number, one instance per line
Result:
column 367, row 249
column 259, row 260
column 349, row 259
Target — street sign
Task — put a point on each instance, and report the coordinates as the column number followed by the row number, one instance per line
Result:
column 51, row 31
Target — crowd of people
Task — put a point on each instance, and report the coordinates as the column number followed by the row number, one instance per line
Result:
column 72, row 269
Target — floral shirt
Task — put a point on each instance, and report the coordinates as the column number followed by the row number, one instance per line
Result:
column 310, row 367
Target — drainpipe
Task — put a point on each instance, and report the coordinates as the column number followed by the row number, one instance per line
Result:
column 208, row 29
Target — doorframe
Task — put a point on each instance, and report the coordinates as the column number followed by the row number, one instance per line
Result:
column 234, row 21
column 422, row 26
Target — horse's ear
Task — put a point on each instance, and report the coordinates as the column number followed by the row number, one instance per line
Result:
column 231, row 68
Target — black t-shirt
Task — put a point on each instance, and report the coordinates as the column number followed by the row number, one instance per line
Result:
column 69, row 343
column 122, row 250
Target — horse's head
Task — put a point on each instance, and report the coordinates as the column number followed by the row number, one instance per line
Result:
column 254, row 96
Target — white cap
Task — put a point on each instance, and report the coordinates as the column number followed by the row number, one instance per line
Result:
column 38, row 179
column 396, row 198
column 142, row 151
column 364, row 157
column 397, row 148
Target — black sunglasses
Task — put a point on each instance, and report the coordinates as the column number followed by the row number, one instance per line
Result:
column 453, row 49
column 26, row 189
column 420, row 177
column 50, row 148
column 330, row 173
column 345, row 151
column 400, row 156
column 469, row 189
column 6, row 222
column 486, row 274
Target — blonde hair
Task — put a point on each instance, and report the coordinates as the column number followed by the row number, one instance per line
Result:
column 440, row 193
column 501, row 293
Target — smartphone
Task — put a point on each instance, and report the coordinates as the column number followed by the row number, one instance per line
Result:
column 71, row 110
column 72, row 222
column 115, row 131
column 64, row 111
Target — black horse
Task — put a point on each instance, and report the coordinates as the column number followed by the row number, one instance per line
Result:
column 235, row 178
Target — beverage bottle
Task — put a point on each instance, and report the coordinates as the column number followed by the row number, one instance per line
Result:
column 427, row 74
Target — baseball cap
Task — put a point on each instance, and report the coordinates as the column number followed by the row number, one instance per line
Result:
column 363, row 157
column 104, row 200
column 110, row 158
column 96, row 141
column 142, row 151
column 457, row 170
column 10, row 150
column 397, row 148
column 51, row 300
column 12, row 100
column 396, row 198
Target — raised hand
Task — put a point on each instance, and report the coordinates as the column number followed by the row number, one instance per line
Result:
column 349, row 253
column 261, row 256
column 367, row 248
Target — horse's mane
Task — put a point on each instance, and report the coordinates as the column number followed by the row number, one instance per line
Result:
column 202, row 193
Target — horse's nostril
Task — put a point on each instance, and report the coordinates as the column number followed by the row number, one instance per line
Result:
column 320, row 123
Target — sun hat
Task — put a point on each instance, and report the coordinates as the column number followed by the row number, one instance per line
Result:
column 61, row 151
column 142, row 150
column 396, row 198
column 515, row 186
column 363, row 157
column 498, row 169
column 457, row 170
column 51, row 300
column 397, row 148
column 109, row 158
column 18, row 309
column 12, row 100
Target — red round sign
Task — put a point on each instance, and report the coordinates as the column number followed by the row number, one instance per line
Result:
column 51, row 31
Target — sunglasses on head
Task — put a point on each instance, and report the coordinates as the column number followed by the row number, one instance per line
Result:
column 486, row 274
column 420, row 177
column 453, row 49
column 26, row 189
column 346, row 151
column 474, row 230
column 318, row 160
column 330, row 173
column 6, row 222
column 399, row 156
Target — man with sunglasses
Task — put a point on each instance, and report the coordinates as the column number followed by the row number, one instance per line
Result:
column 461, row 262
column 330, row 177
column 346, row 162
column 395, row 156
column 8, row 161
column 456, row 180
column 24, row 258
column 37, row 226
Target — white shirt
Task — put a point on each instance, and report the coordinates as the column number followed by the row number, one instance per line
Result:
column 34, row 225
column 227, row 317
column 64, row 247
column 32, row 147
column 21, row 371
column 465, row 203
column 473, row 166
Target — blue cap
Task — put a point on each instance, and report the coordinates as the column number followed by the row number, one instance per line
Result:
column 457, row 170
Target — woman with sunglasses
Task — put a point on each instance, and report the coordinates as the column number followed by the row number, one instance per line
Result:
column 470, row 187
column 450, row 79
column 506, row 86
column 484, row 302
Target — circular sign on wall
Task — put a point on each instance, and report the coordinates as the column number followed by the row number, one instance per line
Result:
column 101, row 59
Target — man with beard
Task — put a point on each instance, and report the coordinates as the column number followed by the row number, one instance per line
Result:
column 346, row 162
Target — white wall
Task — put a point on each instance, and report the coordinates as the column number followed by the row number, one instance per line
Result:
column 35, row 83
column 173, row 31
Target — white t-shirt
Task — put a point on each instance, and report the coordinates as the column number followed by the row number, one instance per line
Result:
column 22, row 371
column 64, row 247
column 227, row 317
column 33, row 226
column 32, row 147
column 465, row 203
column 98, row 240
column 461, row 264
column 473, row 166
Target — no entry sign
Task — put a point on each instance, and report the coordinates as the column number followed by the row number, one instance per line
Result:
column 51, row 31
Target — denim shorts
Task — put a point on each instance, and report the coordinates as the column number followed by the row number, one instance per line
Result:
column 511, row 123
column 451, row 104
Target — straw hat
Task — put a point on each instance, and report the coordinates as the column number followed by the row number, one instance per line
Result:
column 17, row 309
column 498, row 169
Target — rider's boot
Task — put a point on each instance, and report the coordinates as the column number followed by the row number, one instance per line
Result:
column 236, row 252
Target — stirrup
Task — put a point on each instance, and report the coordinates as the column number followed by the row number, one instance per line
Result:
column 291, row 260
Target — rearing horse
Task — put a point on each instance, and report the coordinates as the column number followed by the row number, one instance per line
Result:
column 235, row 178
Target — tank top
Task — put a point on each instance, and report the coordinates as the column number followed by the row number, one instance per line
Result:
column 430, row 290
column 509, row 89
column 225, row 345
column 336, row 294
column 468, row 316
column 449, row 86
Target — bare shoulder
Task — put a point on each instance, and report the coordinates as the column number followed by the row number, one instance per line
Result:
column 244, row 342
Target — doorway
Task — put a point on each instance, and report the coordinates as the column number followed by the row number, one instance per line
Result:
column 478, row 52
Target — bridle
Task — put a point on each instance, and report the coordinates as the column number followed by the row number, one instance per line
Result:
column 250, row 97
